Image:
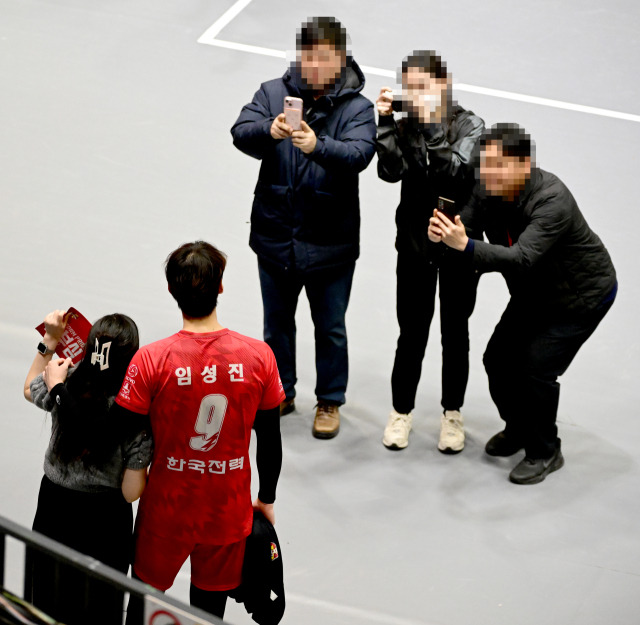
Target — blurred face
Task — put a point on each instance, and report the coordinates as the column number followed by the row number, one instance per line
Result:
column 500, row 175
column 320, row 66
column 426, row 95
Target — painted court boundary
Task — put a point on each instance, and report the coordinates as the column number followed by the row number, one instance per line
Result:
column 209, row 37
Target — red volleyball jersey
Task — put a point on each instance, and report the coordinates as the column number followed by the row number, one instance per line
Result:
column 201, row 392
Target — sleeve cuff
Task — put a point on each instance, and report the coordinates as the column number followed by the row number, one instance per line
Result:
column 386, row 120
column 267, row 497
column 470, row 246
column 59, row 393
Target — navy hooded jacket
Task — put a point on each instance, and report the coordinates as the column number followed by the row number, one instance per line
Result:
column 306, row 212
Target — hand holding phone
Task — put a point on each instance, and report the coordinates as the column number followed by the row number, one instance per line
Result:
column 293, row 108
column 279, row 128
column 384, row 103
column 448, row 208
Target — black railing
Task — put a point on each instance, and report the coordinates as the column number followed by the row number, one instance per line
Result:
column 91, row 568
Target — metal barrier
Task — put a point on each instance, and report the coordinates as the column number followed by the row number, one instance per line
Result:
column 159, row 609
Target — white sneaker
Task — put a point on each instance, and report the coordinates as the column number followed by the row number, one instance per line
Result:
column 396, row 434
column 451, row 432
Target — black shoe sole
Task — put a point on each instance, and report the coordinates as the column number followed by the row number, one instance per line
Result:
column 450, row 452
column 395, row 447
column 325, row 435
column 558, row 463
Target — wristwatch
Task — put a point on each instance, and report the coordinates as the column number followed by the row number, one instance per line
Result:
column 44, row 350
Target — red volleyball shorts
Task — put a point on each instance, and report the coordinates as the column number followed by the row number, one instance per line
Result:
column 213, row 567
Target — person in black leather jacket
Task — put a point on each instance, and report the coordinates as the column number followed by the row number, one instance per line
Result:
column 431, row 152
column 561, row 280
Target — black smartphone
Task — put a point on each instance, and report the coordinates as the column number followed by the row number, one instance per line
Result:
column 448, row 207
column 398, row 105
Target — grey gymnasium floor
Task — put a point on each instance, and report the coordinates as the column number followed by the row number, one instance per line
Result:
column 115, row 149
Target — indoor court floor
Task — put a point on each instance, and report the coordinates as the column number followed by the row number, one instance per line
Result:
column 115, row 149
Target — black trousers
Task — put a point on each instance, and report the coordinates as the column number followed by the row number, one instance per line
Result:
column 328, row 291
column 525, row 356
column 417, row 279
column 96, row 524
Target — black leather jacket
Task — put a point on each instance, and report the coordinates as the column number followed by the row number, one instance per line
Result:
column 430, row 161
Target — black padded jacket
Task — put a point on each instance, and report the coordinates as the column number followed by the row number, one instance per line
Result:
column 551, row 259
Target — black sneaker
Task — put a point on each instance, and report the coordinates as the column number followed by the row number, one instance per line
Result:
column 502, row 444
column 531, row 471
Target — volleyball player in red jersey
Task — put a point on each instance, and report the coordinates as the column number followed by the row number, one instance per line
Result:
column 203, row 389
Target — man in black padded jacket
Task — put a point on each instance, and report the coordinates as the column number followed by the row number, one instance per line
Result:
column 561, row 280
column 430, row 151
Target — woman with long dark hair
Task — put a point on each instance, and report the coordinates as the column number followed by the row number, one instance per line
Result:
column 94, row 468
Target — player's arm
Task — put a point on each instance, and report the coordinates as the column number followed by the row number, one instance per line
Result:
column 133, row 483
column 268, row 459
column 137, row 445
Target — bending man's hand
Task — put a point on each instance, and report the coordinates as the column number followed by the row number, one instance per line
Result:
column 266, row 509
column 305, row 139
column 434, row 233
column 453, row 234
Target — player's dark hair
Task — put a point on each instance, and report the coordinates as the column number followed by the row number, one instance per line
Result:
column 322, row 30
column 84, row 430
column 194, row 273
column 514, row 140
column 427, row 61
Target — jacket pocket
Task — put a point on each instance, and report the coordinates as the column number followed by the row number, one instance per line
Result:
column 271, row 213
column 329, row 219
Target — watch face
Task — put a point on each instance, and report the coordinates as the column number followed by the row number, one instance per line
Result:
column 43, row 349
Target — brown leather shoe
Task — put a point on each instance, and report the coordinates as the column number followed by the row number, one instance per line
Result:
column 287, row 406
column 327, row 421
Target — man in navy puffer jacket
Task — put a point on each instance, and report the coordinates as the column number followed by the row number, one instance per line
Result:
column 305, row 221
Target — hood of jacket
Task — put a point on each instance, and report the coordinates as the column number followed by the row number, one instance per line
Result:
column 350, row 83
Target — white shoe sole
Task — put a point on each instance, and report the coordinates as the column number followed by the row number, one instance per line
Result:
column 395, row 446
column 450, row 450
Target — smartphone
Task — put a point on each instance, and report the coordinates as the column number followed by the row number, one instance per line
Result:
column 448, row 207
column 397, row 103
column 293, row 112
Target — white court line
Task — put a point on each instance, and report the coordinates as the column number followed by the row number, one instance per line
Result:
column 337, row 608
column 209, row 38
column 224, row 20
column 366, row 615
